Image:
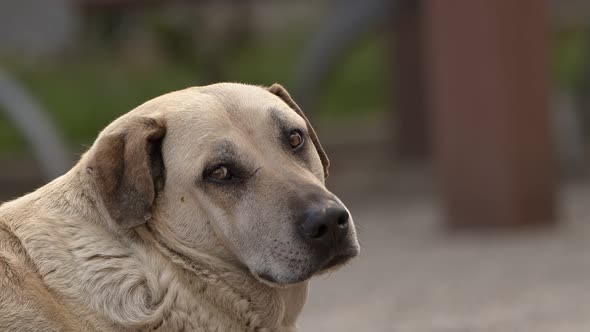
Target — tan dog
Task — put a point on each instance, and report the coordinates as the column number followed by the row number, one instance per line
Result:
column 201, row 210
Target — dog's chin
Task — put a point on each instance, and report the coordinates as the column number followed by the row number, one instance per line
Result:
column 272, row 280
column 281, row 281
column 340, row 259
column 334, row 263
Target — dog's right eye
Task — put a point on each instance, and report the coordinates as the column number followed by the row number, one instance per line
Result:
column 220, row 174
column 296, row 140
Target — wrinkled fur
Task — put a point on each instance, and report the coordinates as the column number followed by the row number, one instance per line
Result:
column 107, row 282
column 98, row 248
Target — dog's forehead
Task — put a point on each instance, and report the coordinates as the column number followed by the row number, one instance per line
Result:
column 228, row 105
column 247, row 102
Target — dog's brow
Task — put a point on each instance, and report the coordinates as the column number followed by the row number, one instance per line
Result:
column 224, row 148
column 279, row 119
column 276, row 116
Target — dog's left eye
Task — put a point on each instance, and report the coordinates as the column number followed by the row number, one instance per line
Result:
column 220, row 173
column 296, row 140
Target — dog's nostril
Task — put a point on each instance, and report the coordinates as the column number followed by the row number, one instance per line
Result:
column 320, row 231
column 325, row 225
column 343, row 220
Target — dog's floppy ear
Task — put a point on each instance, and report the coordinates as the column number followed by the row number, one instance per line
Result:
column 279, row 91
column 129, row 170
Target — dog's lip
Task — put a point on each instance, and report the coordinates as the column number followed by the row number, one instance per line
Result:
column 335, row 260
column 271, row 281
column 267, row 277
column 340, row 259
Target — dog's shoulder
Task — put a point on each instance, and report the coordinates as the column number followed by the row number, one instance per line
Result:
column 14, row 263
column 25, row 302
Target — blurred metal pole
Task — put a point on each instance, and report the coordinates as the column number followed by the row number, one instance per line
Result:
column 489, row 70
column 38, row 129
column 412, row 141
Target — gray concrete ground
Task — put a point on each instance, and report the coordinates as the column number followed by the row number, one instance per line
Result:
column 413, row 275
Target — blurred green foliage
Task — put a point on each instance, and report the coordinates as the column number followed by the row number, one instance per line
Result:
column 571, row 57
column 355, row 89
column 359, row 85
column 10, row 139
column 84, row 96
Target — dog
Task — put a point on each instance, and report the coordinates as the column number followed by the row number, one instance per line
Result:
column 204, row 209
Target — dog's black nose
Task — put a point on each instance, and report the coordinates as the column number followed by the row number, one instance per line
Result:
column 324, row 225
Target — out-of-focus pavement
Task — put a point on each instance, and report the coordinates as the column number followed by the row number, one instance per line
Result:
column 414, row 275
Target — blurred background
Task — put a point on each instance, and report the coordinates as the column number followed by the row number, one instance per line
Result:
column 458, row 131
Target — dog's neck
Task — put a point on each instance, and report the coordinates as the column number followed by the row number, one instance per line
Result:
column 136, row 281
column 250, row 302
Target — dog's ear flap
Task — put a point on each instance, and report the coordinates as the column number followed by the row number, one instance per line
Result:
column 129, row 170
column 282, row 93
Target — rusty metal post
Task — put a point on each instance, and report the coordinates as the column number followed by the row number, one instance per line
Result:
column 412, row 141
column 488, row 63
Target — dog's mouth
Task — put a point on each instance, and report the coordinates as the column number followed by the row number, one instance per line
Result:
column 267, row 278
column 339, row 259
column 307, row 272
column 297, row 275
column 273, row 281
column 336, row 261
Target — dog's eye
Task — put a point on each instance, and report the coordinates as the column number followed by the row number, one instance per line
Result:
column 220, row 173
column 296, row 139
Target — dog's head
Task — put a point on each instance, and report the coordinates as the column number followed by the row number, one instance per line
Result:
column 230, row 170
